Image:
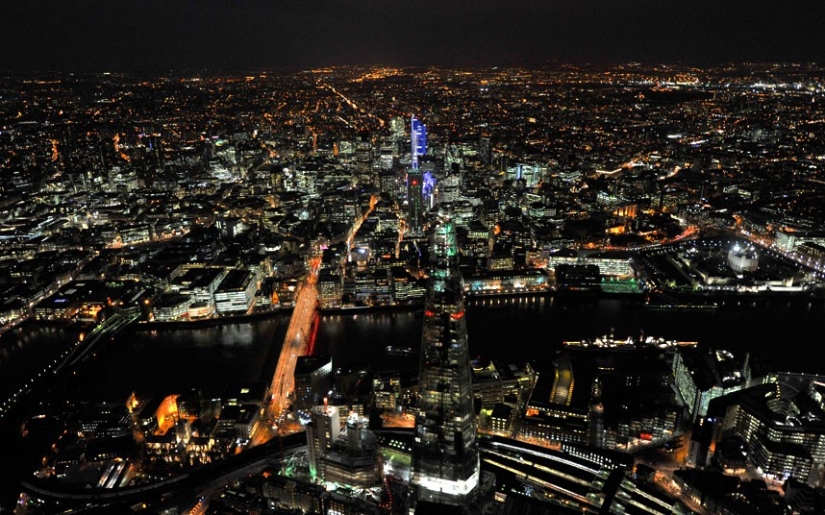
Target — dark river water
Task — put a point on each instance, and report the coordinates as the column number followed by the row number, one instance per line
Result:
column 783, row 333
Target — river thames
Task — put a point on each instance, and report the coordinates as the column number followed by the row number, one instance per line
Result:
column 166, row 360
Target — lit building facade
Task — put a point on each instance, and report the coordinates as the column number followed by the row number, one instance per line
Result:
column 445, row 460
column 782, row 425
column 353, row 458
column 418, row 140
column 313, row 379
column 508, row 282
column 330, row 289
column 236, row 292
column 417, row 178
column 322, row 431
column 743, row 259
column 415, row 201
column 700, row 376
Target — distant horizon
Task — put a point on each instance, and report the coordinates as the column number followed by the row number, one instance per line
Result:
column 87, row 35
column 549, row 65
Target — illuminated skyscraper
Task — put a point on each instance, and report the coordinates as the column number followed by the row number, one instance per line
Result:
column 418, row 140
column 364, row 157
column 420, row 182
column 415, row 201
column 445, row 460
column 322, row 431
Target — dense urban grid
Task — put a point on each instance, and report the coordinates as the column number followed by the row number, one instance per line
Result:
column 155, row 201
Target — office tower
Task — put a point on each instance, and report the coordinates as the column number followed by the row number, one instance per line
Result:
column 322, row 431
column 353, row 459
column 388, row 183
column 419, row 182
column 418, row 140
column 595, row 423
column 427, row 167
column 415, row 201
column 485, row 150
column 445, row 460
column 313, row 379
column 397, row 127
column 364, row 157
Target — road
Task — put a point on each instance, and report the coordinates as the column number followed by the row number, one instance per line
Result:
column 275, row 419
column 295, row 344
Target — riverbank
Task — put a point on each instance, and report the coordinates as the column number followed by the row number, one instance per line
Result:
column 208, row 322
column 668, row 301
column 348, row 310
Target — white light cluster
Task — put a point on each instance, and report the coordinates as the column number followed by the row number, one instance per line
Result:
column 449, row 486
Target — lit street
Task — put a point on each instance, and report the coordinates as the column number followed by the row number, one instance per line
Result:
column 275, row 411
column 277, row 401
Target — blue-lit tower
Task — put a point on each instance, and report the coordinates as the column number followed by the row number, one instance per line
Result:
column 416, row 180
column 418, row 140
column 445, row 458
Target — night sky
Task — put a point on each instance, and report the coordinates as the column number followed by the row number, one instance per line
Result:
column 148, row 35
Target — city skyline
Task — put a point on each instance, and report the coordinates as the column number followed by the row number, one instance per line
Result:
column 629, row 240
column 253, row 34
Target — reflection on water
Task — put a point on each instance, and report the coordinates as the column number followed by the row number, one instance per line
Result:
column 521, row 329
column 164, row 361
column 518, row 328
column 237, row 335
column 25, row 350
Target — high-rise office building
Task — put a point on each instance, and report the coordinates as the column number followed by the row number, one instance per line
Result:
column 445, row 460
column 420, row 181
column 364, row 154
column 322, row 431
column 418, row 140
column 415, row 201
column 485, row 150
column 313, row 379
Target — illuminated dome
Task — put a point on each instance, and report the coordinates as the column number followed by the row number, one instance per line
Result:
column 743, row 258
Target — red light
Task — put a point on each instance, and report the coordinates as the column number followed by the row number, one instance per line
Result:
column 415, row 182
column 456, row 316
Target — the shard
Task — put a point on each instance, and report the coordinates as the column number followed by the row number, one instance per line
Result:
column 445, row 462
